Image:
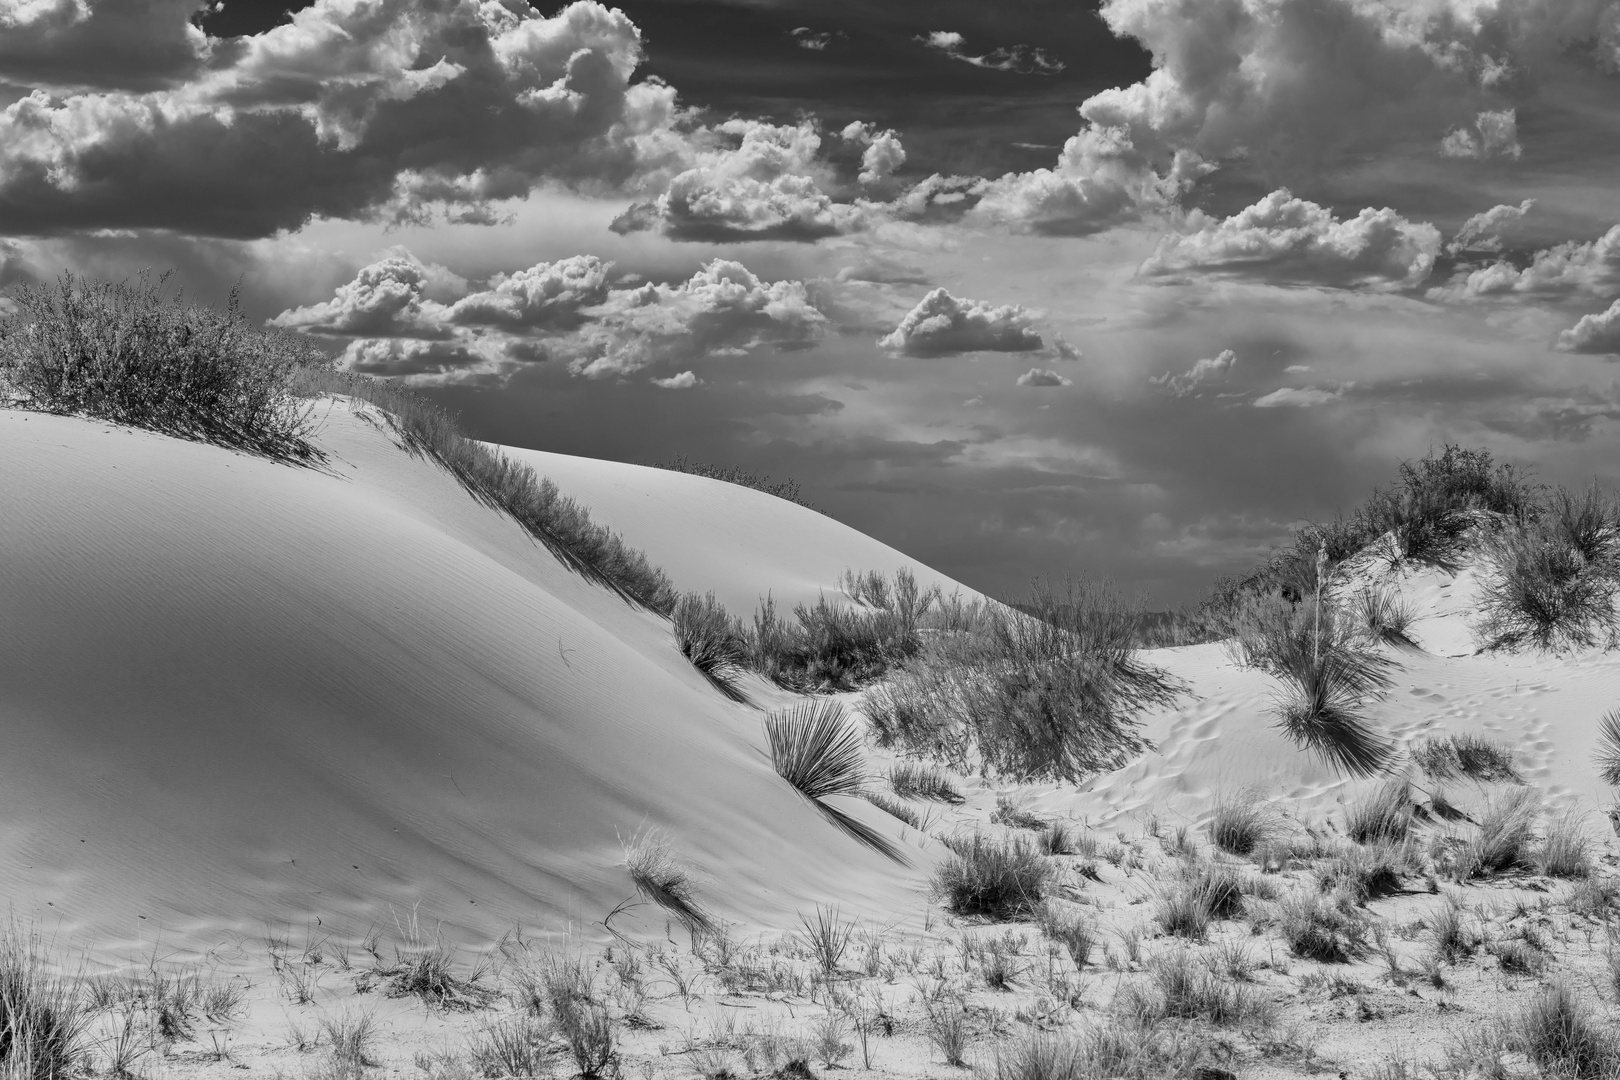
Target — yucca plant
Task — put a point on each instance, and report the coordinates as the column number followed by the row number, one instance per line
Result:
column 1608, row 748
column 816, row 748
column 1327, row 677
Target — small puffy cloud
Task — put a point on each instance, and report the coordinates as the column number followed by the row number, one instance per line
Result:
column 684, row 381
column 724, row 309
column 1597, row 333
column 943, row 325
column 1285, row 239
column 1483, row 231
column 1101, row 180
column 1064, row 350
column 546, row 295
column 1023, row 59
column 1563, row 269
column 1207, row 369
column 759, row 182
column 883, row 153
column 1493, row 134
column 814, row 40
column 1302, row 397
column 385, row 299
column 1042, row 378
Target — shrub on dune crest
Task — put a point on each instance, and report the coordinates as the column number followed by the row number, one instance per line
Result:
column 782, row 489
column 126, row 352
column 1545, row 593
column 558, row 522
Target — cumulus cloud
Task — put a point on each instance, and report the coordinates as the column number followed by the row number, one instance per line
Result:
column 1483, row 232
column 566, row 309
column 1302, row 397
column 1042, row 378
column 684, row 381
column 1493, row 134
column 1564, row 269
column 724, row 309
column 1284, row 238
column 1101, row 180
column 814, row 40
column 1596, row 333
column 943, row 325
column 1207, row 369
column 758, row 181
column 325, row 115
column 883, row 153
column 1063, row 349
column 1023, row 59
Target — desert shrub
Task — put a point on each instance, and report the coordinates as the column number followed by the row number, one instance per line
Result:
column 1448, row 757
column 659, row 876
column 1207, row 892
column 127, row 352
column 829, row 647
column 732, row 474
column 948, row 1030
column 1317, row 928
column 1502, row 842
column 1327, row 673
column 592, row 1036
column 43, row 1024
column 916, row 708
column 1383, row 616
column 559, row 523
column 1383, row 817
column 1519, row 957
column 1607, row 755
column 1239, row 825
column 1564, row 1038
column 1429, row 510
column 913, row 780
column 515, row 1047
column 1565, row 849
column 1550, row 586
column 350, row 1038
column 713, row 640
column 998, row 879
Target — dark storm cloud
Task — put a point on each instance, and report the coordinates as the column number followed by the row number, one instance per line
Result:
column 108, row 44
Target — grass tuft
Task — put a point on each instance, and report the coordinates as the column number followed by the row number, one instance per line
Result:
column 1239, row 826
column 1503, row 840
column 1384, row 817
column 1450, row 757
column 913, row 780
column 999, row 880
column 1563, row 1038
column 660, row 877
column 43, row 1023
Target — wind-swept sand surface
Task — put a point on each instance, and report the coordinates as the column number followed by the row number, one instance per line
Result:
column 236, row 691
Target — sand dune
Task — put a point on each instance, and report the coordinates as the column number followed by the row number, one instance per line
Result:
column 237, row 692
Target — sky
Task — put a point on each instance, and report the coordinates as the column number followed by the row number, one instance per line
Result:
column 1122, row 289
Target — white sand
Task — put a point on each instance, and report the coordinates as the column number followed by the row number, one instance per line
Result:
column 238, row 693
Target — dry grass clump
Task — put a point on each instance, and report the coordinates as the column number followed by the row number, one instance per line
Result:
column 1383, row 616
column 1188, row 990
column 1450, row 757
column 1361, row 873
column 513, row 1047
column 556, row 521
column 128, row 353
column 1503, row 840
column 43, row 1023
column 1328, row 674
column 713, row 640
column 1000, row 880
column 1593, row 897
column 1316, row 927
column 1565, row 848
column 1072, row 929
column 1451, row 939
column 660, row 877
column 1563, row 1038
column 1383, row 817
column 424, row 968
column 1206, row 893
column 1126, row 1050
column 783, row 489
column 915, row 780
column 1239, row 826
column 896, row 809
column 832, row 647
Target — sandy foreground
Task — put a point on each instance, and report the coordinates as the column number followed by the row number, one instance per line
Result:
column 270, row 727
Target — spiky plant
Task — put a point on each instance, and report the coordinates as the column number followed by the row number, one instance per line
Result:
column 816, row 749
column 1608, row 748
column 1384, row 616
column 1327, row 677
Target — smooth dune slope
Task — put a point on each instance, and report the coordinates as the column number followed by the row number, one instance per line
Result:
column 237, row 693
